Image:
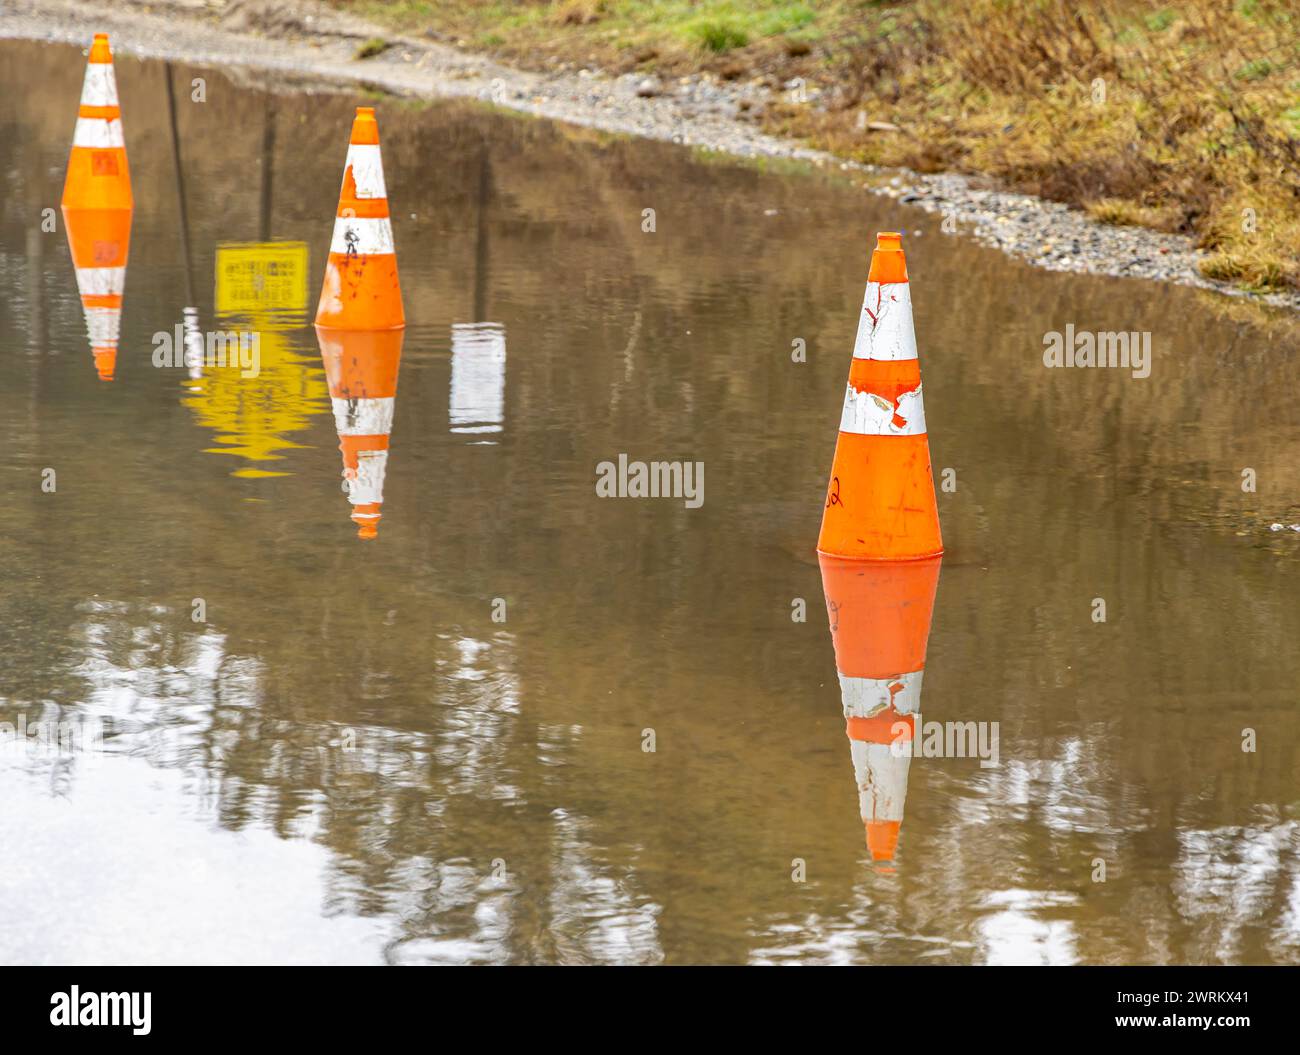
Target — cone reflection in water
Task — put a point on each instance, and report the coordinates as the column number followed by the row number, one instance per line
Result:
column 361, row 367
column 880, row 624
column 361, row 290
column 880, row 501
column 98, row 206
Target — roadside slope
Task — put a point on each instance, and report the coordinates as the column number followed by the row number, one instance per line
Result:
column 302, row 42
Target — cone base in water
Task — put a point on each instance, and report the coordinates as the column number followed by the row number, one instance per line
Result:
column 880, row 505
column 97, row 179
column 361, row 293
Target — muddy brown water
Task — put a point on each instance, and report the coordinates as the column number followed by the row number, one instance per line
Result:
column 349, row 760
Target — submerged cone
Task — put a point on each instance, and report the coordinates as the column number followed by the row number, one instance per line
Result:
column 98, row 206
column 361, row 290
column 880, row 616
column 880, row 503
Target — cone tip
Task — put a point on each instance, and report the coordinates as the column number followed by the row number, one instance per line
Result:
column 888, row 263
column 882, row 839
column 365, row 129
column 367, row 517
column 105, row 362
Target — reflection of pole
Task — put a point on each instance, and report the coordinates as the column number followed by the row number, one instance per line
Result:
column 36, row 334
column 268, row 166
column 36, row 235
column 481, row 245
column 180, row 186
column 36, row 285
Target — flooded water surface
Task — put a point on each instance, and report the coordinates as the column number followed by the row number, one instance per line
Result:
column 526, row 723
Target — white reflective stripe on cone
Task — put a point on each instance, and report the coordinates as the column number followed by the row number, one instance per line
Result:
column 97, row 133
column 885, row 329
column 362, row 235
column 100, row 281
column 872, row 415
column 882, row 781
column 363, row 417
column 867, row 697
column 367, row 170
column 367, row 485
column 100, row 86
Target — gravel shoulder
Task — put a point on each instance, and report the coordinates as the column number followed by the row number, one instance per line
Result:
column 303, row 40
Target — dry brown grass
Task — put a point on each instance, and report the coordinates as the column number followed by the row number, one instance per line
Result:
column 1180, row 120
column 576, row 12
column 1183, row 118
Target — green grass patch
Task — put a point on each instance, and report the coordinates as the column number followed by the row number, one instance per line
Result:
column 717, row 36
column 372, row 47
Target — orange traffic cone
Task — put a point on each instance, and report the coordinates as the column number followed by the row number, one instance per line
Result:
column 361, row 367
column 98, row 206
column 361, row 290
column 880, row 624
column 880, row 503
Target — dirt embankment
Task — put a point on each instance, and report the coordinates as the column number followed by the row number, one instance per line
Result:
column 301, row 41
